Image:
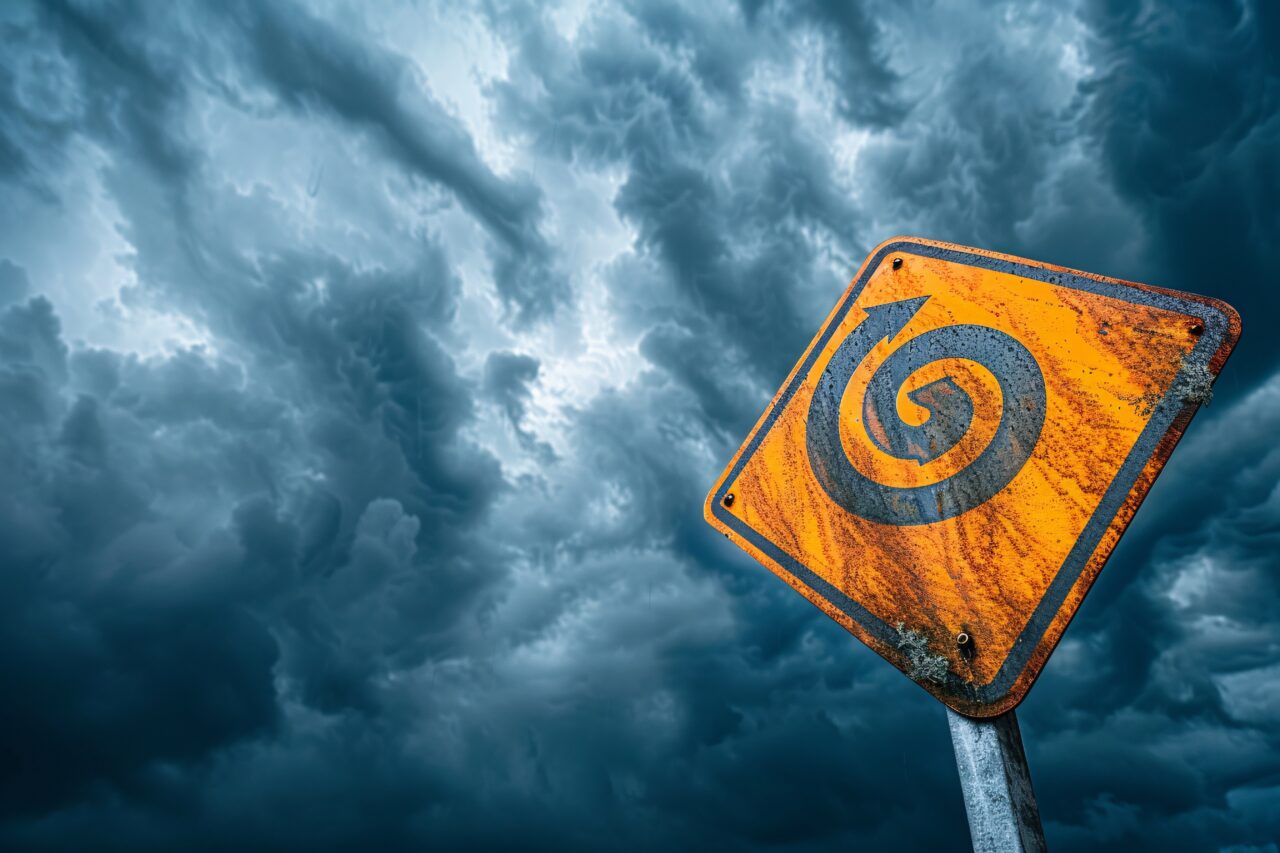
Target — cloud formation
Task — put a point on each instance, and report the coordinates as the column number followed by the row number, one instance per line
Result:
column 361, row 376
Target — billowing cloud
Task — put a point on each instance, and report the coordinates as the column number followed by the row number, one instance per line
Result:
column 362, row 374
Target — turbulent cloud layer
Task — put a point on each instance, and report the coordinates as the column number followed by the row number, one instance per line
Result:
column 362, row 372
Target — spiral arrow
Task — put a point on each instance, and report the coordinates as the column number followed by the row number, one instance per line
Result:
column 950, row 417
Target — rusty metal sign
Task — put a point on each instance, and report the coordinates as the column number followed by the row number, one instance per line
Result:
column 955, row 456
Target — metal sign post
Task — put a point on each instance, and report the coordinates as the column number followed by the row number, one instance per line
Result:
column 1002, row 810
column 951, row 462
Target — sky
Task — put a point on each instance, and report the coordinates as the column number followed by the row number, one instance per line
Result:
column 363, row 368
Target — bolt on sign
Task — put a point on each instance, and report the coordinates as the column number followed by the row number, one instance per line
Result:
column 955, row 456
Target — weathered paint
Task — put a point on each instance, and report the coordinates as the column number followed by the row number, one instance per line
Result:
column 959, row 450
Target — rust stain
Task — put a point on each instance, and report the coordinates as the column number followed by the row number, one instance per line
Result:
column 1109, row 353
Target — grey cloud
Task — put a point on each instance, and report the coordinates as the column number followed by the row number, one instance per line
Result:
column 95, row 650
column 727, row 287
column 139, row 89
column 276, row 589
column 507, row 380
column 197, row 526
column 855, row 61
column 14, row 284
column 311, row 64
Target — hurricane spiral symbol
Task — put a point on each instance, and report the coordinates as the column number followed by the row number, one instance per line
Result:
column 950, row 417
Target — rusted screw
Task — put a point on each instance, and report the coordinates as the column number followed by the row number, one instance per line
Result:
column 728, row 499
column 1196, row 329
column 897, row 263
column 963, row 639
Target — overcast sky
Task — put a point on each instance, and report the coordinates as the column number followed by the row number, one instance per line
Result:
column 363, row 368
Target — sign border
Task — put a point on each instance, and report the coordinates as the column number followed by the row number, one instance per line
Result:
column 1030, row 651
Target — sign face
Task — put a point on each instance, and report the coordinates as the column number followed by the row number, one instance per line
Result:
column 958, row 451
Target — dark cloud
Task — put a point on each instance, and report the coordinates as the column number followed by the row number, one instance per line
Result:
column 98, row 646
column 508, row 380
column 337, row 514
column 313, row 65
column 864, row 84
column 14, row 284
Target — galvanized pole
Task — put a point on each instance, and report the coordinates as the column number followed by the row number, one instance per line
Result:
column 1002, row 810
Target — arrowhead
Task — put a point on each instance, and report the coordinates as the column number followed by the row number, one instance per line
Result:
column 885, row 321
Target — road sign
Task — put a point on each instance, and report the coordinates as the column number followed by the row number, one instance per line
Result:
column 953, row 459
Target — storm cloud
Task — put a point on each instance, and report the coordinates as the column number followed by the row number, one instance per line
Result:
column 362, row 373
